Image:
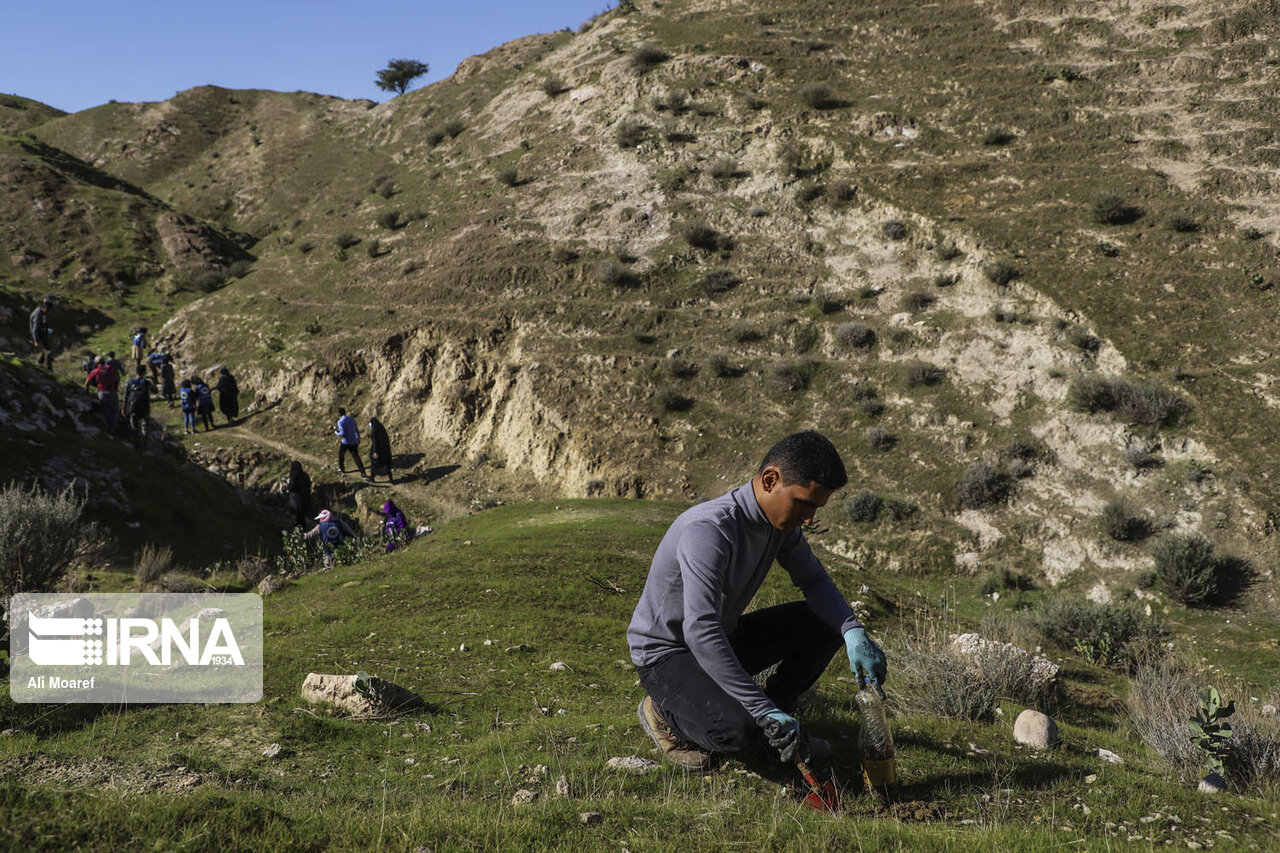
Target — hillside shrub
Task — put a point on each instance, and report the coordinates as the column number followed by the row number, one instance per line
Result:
column 841, row 192
column 998, row 136
column 41, row 536
column 932, row 677
column 384, row 186
column 562, row 254
column 1141, row 457
column 804, row 337
column 239, row 269
column 345, row 240
column 670, row 399
column 508, row 177
column 723, row 168
column 630, row 132
column 1120, row 524
column 894, row 229
column 208, row 281
column 1181, row 222
column 827, row 301
column 716, row 282
column 863, row 505
column 453, row 127
column 1083, row 340
column 434, row 136
column 789, row 376
column 947, row 250
column 807, row 191
column 855, row 335
column 700, row 235
column 918, row 300
column 553, row 85
column 1001, row 272
column 818, row 96
column 671, row 99
column 1186, row 568
column 745, row 334
column 374, row 248
column 614, row 274
column 792, row 156
column 389, row 219
column 1114, row 635
column 641, row 334
column 306, row 246
column 983, row 485
column 679, row 368
column 945, row 279
column 1112, row 209
column 1147, row 403
column 879, row 438
column 645, row 57
column 721, row 367
column 924, row 375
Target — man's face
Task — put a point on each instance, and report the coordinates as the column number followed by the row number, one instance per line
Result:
column 789, row 506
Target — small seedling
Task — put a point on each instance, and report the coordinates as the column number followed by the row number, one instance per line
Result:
column 1209, row 733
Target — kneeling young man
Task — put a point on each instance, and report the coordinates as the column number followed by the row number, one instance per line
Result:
column 695, row 649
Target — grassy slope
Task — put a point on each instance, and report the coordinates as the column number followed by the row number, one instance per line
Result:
column 524, row 575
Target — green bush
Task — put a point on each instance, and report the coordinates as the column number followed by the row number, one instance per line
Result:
column 818, row 96
column 918, row 300
column 1001, row 272
column 1186, row 568
column 389, row 219
column 239, row 269
column 807, row 191
column 614, row 274
column 672, row 99
column 1147, row 403
column 209, row 280
column 804, row 337
column 946, row 279
column 41, row 535
column 1116, row 635
column 508, row 177
column 670, row 399
column 716, row 282
column 1181, row 222
column 924, row 375
column 552, row 85
column 789, row 376
column 841, row 192
column 630, row 132
column 345, row 240
column 998, row 136
column 435, row 136
column 879, row 438
column 792, row 156
column 894, row 229
column 1112, row 209
column 150, row 564
column 855, row 335
column 827, row 301
column 453, row 127
column 1120, row 524
column 645, row 57
column 863, row 505
column 679, row 368
column 723, row 168
column 702, row 236
column 983, row 485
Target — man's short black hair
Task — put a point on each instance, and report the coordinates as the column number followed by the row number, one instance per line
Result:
column 341, row 411
column 807, row 457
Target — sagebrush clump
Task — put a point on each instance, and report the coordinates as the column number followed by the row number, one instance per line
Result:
column 41, row 536
column 1146, row 403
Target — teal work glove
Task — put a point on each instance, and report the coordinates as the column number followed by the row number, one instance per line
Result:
column 783, row 733
column 864, row 655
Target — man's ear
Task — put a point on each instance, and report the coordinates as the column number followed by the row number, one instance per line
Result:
column 770, row 477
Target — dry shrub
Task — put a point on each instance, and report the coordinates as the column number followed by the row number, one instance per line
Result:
column 152, row 562
column 251, row 569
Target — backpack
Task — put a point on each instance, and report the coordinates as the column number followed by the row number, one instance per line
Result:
column 139, row 340
column 330, row 535
column 206, row 395
column 188, row 398
column 137, row 398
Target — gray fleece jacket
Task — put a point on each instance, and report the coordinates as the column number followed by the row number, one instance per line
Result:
column 705, row 572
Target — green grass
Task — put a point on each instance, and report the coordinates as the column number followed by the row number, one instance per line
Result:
column 524, row 574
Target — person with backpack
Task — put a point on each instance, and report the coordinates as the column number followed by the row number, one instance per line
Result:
column 155, row 360
column 187, row 399
column 139, row 344
column 106, row 381
column 299, row 489
column 137, row 406
column 41, row 334
column 395, row 527
column 116, row 365
column 204, row 402
column 348, row 441
column 331, row 531
column 379, row 451
column 228, row 395
column 167, row 389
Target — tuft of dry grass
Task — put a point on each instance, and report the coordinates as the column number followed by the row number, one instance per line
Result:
column 152, row 562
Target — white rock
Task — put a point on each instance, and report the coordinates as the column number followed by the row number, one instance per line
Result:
column 1212, row 784
column 589, row 818
column 562, row 787
column 559, row 666
column 1099, row 594
column 272, row 751
column 978, row 649
column 464, row 648
column 1109, row 756
column 631, row 764
column 1035, row 730
column 523, row 797
column 1269, row 710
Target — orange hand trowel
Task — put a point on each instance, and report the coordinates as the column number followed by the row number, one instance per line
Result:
column 823, row 796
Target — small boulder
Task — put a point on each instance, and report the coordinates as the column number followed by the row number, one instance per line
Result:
column 1269, row 710
column 272, row 751
column 1109, row 756
column 340, row 692
column 559, row 666
column 978, row 650
column 562, row 787
column 1035, row 730
column 590, row 818
column 524, row 797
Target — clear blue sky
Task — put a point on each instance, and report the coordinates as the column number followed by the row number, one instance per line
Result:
column 75, row 54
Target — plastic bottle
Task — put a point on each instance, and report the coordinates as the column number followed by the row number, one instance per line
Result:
column 875, row 741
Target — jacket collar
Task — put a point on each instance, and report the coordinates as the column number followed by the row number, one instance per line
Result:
column 745, row 497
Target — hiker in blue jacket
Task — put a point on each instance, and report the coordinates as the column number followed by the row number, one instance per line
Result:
column 332, row 531
column 187, row 400
column 695, row 647
column 348, row 442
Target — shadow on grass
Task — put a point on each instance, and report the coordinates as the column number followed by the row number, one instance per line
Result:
column 248, row 416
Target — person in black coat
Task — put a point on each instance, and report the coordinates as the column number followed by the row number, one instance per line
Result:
column 299, row 489
column 228, row 395
column 379, row 451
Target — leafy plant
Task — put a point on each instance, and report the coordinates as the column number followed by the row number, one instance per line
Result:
column 894, row 229
column 1112, row 209
column 854, row 334
column 819, row 96
column 1209, row 732
column 645, row 57
column 1187, row 568
column 630, row 133
column 1001, row 272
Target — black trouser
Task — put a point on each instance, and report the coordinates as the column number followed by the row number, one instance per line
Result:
column 698, row 710
column 140, row 424
column 354, row 450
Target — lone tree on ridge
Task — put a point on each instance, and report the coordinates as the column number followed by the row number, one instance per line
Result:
column 399, row 73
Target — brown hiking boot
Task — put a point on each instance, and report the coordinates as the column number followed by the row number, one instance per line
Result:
column 681, row 753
